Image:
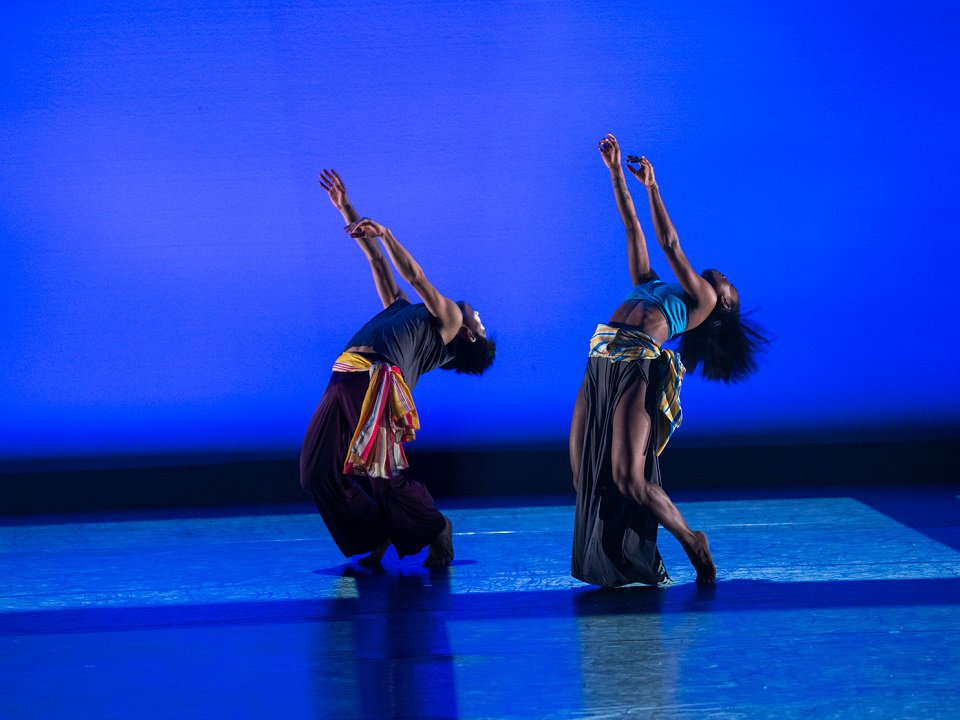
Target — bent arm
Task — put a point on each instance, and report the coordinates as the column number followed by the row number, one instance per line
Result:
column 440, row 306
column 703, row 295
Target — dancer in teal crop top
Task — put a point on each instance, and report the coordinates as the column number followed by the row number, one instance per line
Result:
column 629, row 403
column 670, row 298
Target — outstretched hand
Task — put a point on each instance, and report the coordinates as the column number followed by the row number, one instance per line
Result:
column 334, row 187
column 365, row 228
column 643, row 173
column 609, row 151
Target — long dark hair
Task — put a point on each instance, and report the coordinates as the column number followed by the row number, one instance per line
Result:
column 724, row 346
column 471, row 358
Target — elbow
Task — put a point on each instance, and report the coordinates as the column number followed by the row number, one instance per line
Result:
column 670, row 240
column 414, row 276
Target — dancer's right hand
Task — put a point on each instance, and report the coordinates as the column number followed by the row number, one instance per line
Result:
column 609, row 151
column 331, row 182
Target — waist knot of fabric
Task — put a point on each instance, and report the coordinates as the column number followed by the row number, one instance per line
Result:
column 388, row 418
column 627, row 345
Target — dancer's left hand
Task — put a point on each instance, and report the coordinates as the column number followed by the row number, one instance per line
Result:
column 643, row 173
column 365, row 228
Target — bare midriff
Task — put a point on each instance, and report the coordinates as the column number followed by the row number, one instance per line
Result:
column 643, row 316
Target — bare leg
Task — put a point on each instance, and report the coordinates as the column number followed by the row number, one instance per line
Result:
column 441, row 549
column 577, row 425
column 376, row 556
column 631, row 438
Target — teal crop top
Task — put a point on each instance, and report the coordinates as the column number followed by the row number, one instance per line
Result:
column 669, row 298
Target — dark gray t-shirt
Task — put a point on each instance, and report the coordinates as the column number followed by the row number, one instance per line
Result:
column 408, row 336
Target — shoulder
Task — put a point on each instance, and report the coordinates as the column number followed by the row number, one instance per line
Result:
column 415, row 315
column 398, row 309
column 391, row 310
column 646, row 287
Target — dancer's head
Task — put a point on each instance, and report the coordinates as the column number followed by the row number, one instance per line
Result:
column 474, row 350
column 728, row 298
column 724, row 345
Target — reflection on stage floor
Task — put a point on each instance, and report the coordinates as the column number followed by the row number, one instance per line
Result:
column 840, row 606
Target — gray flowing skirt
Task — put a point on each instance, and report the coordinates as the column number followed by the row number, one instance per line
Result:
column 614, row 538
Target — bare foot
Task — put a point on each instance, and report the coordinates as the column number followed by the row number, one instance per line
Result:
column 441, row 549
column 376, row 556
column 702, row 560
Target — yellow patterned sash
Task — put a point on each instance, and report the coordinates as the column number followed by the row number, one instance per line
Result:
column 388, row 418
column 622, row 345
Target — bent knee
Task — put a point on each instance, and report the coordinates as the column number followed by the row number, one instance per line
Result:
column 630, row 484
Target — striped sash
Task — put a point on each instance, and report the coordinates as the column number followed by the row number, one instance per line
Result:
column 622, row 345
column 388, row 418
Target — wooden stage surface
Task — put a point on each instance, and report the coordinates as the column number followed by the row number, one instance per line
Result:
column 831, row 604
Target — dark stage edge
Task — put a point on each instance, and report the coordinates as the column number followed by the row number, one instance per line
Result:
column 838, row 606
column 117, row 484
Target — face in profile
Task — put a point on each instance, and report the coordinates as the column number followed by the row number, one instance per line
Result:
column 728, row 299
column 474, row 350
column 472, row 325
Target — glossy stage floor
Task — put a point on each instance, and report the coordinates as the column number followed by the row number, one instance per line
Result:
column 842, row 605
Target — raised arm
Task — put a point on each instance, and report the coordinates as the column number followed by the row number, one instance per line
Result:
column 703, row 295
column 387, row 287
column 441, row 307
column 637, row 256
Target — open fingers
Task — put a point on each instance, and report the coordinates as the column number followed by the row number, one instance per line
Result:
column 326, row 182
column 331, row 178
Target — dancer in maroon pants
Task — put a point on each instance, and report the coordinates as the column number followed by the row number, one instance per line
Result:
column 352, row 459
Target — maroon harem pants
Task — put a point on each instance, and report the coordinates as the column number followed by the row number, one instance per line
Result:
column 361, row 513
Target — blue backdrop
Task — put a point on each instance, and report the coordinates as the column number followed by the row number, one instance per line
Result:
column 173, row 279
